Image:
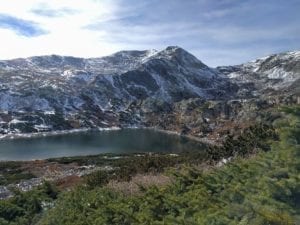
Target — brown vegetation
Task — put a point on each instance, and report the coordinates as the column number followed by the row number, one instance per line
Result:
column 139, row 182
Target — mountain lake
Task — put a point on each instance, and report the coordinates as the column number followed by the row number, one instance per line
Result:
column 95, row 142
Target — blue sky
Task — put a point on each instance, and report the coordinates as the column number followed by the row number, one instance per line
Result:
column 218, row 32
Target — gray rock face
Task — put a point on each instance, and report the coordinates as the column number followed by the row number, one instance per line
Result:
column 45, row 93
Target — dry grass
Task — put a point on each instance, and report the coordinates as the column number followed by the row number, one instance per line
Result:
column 145, row 180
column 68, row 183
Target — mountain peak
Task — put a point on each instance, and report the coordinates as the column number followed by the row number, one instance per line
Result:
column 175, row 50
column 181, row 56
column 173, row 47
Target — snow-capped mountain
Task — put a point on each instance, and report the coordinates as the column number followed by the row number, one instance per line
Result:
column 58, row 92
column 64, row 83
column 278, row 72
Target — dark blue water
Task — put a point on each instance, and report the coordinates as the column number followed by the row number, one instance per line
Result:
column 88, row 143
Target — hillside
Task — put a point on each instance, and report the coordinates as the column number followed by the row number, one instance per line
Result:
column 261, row 189
column 169, row 89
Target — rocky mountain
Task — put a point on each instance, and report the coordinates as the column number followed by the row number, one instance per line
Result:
column 272, row 74
column 65, row 83
column 134, row 88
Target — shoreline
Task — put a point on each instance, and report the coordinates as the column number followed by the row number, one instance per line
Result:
column 13, row 136
column 53, row 133
column 191, row 137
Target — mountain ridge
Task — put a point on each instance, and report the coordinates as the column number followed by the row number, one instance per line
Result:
column 131, row 88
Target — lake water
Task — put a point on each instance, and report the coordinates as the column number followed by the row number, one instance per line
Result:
column 89, row 143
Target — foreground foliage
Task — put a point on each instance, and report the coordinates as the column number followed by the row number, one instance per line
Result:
column 24, row 207
column 263, row 189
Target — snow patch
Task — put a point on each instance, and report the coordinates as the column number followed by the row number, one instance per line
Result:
column 51, row 112
column 16, row 121
column 279, row 73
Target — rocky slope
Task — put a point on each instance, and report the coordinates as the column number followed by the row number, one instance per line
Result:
column 169, row 89
column 272, row 74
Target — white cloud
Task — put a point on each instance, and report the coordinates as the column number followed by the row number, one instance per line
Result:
column 216, row 33
column 66, row 34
